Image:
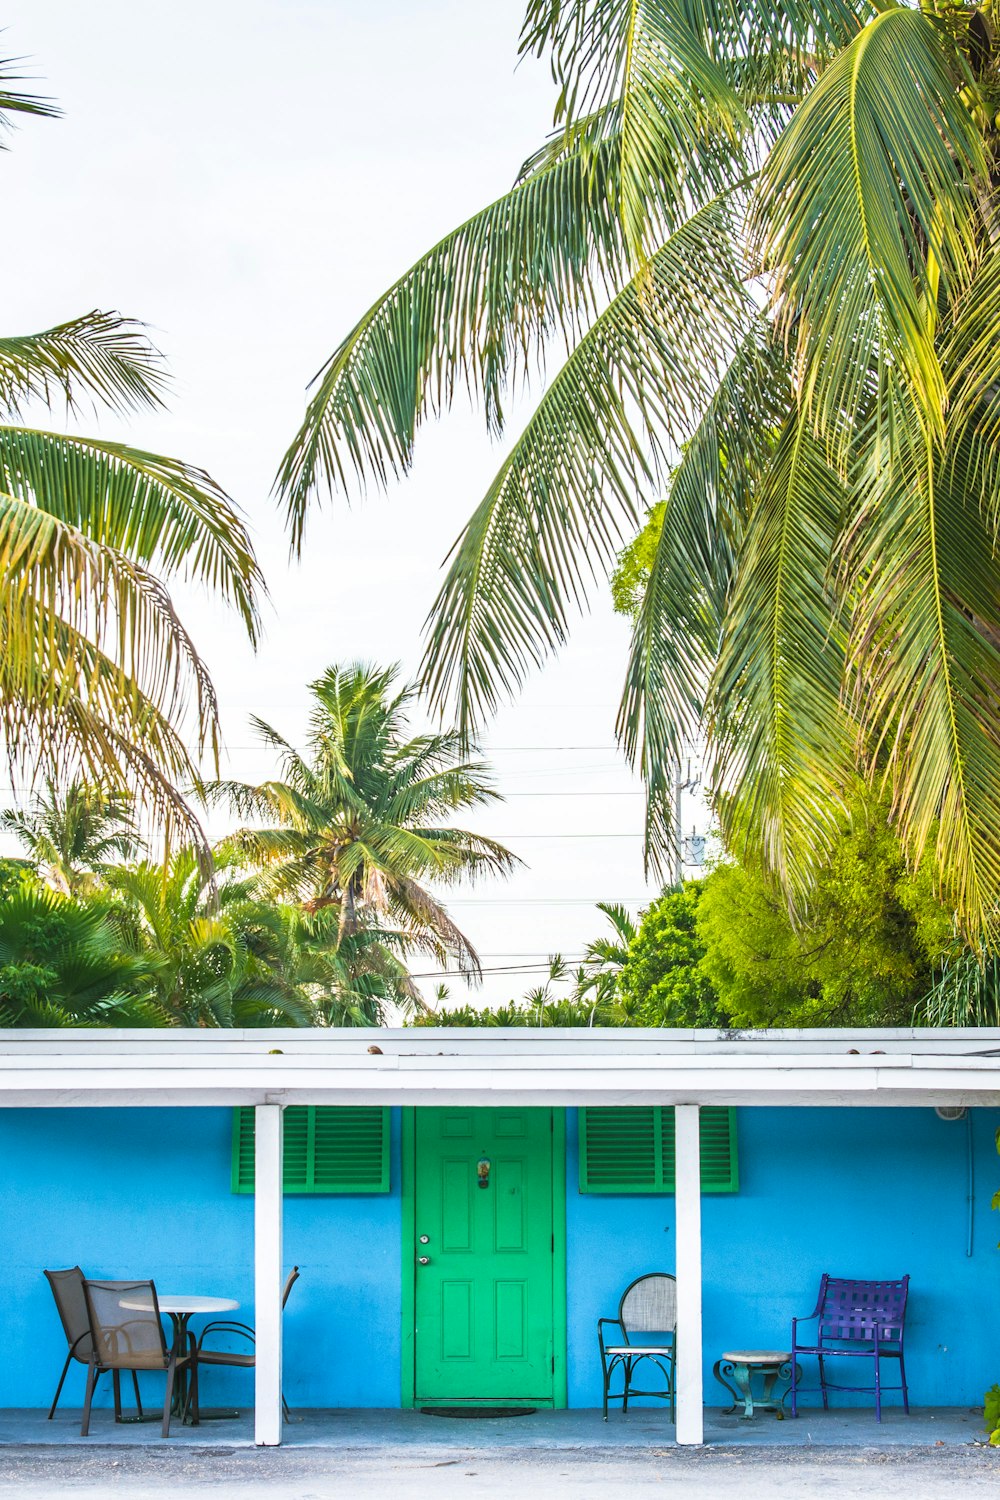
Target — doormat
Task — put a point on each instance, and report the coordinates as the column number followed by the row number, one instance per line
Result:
column 478, row 1411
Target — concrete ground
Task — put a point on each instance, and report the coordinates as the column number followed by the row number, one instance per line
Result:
column 561, row 1455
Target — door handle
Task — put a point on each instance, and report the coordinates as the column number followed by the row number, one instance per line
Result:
column 423, row 1260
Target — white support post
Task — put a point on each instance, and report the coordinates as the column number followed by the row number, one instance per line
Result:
column 690, row 1396
column 268, row 1207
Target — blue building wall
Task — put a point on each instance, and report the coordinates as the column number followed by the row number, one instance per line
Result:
column 146, row 1192
column 871, row 1193
column 861, row 1192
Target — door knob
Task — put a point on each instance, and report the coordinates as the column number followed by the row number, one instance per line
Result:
column 424, row 1260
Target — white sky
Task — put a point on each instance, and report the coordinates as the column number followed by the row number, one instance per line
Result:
column 247, row 178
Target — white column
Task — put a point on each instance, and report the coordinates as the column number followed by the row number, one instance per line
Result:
column 267, row 1272
column 690, row 1397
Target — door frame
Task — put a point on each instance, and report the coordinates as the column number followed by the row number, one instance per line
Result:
column 408, row 1349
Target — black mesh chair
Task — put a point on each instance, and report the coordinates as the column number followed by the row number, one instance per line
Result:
column 128, row 1335
column 71, row 1305
column 240, row 1360
column 647, row 1320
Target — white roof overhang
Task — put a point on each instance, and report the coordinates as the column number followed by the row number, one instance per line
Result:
column 452, row 1066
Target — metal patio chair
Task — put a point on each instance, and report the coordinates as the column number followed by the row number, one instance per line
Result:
column 132, row 1338
column 647, row 1317
column 856, row 1320
column 234, row 1358
column 71, row 1305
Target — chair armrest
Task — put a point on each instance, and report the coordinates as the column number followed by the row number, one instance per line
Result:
column 243, row 1329
column 611, row 1323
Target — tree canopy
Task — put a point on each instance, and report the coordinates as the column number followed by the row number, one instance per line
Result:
column 758, row 264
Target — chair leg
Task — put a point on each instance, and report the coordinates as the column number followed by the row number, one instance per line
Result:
column 902, row 1381
column 792, row 1391
column 286, row 1410
column 165, row 1428
column 822, row 1383
column 116, row 1381
column 138, row 1398
column 88, row 1398
column 627, row 1367
column 878, row 1388
column 62, row 1377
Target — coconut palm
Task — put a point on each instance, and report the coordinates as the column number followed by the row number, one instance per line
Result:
column 353, row 978
column 763, row 243
column 71, row 833
column 97, row 673
column 215, row 956
column 360, row 822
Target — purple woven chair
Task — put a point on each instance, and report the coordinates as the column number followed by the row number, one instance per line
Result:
column 855, row 1320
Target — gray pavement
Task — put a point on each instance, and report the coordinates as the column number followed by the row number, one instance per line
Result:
column 397, row 1455
column 474, row 1473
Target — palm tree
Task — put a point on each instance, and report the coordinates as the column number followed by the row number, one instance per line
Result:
column 352, row 978
column 61, row 964
column 764, row 238
column 214, row 954
column 72, row 833
column 605, row 957
column 98, row 676
column 360, row 823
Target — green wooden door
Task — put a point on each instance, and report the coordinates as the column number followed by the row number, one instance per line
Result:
column 484, row 1225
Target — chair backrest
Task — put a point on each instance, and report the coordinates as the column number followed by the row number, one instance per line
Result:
column 649, row 1304
column 71, row 1304
column 858, row 1310
column 125, row 1320
column 290, row 1281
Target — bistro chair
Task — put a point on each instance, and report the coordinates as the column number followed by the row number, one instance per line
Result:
column 856, row 1320
column 647, row 1318
column 131, row 1337
column 71, row 1305
column 247, row 1359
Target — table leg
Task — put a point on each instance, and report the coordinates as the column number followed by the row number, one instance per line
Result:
column 743, row 1394
column 181, row 1381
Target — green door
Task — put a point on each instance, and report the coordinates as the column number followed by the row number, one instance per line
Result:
column 484, row 1256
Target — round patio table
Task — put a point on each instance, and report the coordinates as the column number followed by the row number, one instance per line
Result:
column 180, row 1310
column 740, row 1365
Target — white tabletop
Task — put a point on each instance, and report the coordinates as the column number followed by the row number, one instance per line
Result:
column 180, row 1304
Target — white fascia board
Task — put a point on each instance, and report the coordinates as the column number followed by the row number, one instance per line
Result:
column 764, row 1083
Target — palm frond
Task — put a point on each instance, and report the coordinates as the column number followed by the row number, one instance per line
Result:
column 556, row 512
column 164, row 513
column 866, row 214
column 469, row 311
column 925, row 650
column 50, row 571
column 639, row 70
column 781, row 742
column 101, row 355
column 677, row 628
column 16, row 101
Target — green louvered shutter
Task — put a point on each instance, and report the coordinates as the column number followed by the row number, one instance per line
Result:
column 328, row 1149
column 631, row 1150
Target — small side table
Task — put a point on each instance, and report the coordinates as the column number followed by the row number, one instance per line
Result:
column 740, row 1366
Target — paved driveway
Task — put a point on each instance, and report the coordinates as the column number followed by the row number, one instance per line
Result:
column 484, row 1473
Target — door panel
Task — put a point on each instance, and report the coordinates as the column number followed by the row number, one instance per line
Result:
column 484, row 1301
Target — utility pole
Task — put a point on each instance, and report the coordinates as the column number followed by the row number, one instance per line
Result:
column 686, row 781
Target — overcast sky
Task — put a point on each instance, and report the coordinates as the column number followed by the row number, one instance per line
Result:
column 247, row 178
